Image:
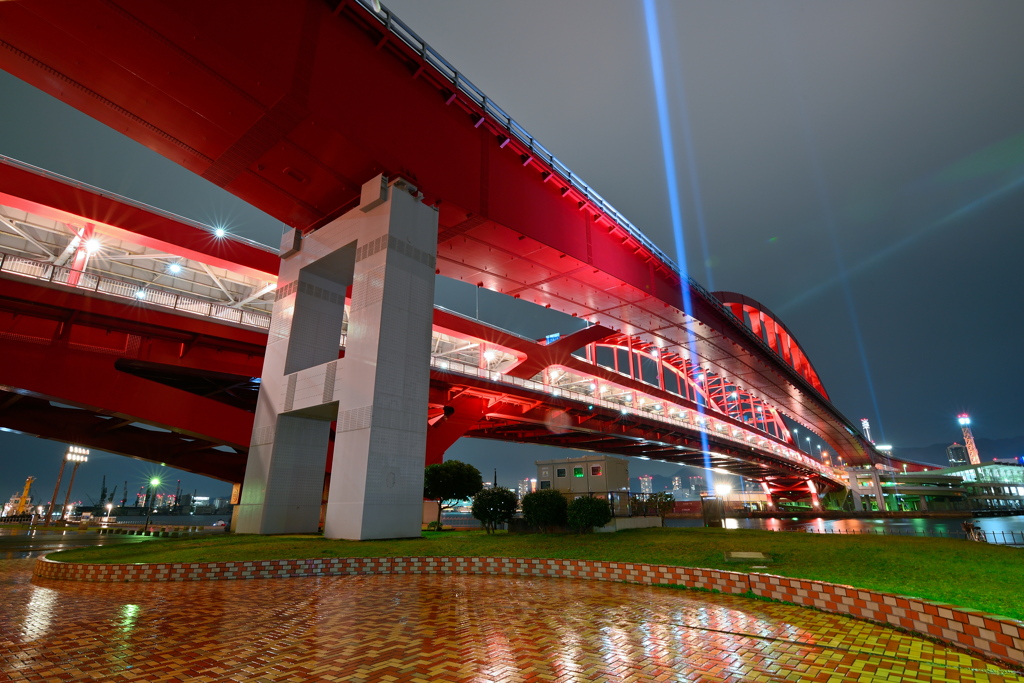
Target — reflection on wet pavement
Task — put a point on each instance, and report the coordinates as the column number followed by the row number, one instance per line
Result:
column 440, row 628
column 21, row 542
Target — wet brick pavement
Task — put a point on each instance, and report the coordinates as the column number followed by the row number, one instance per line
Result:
column 440, row 628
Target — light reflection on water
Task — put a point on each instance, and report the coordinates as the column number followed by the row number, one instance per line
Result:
column 933, row 526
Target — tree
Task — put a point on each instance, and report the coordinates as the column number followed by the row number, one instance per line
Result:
column 586, row 512
column 663, row 503
column 493, row 507
column 545, row 509
column 450, row 482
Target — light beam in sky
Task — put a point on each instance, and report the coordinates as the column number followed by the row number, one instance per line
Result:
column 674, row 202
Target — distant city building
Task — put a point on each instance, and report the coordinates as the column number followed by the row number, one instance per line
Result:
column 595, row 473
column 526, row 486
column 677, row 484
column 957, row 454
column 646, row 483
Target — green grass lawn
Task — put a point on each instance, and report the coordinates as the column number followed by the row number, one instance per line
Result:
column 977, row 575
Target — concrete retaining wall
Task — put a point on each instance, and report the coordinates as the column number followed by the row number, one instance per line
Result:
column 991, row 636
column 621, row 523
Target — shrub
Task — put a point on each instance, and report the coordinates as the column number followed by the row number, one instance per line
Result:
column 545, row 509
column 493, row 507
column 585, row 513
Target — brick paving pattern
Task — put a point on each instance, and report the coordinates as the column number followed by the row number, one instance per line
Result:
column 421, row 628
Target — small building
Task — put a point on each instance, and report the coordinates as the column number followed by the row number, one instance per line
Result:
column 957, row 454
column 594, row 473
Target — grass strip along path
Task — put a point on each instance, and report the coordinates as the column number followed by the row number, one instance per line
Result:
column 963, row 573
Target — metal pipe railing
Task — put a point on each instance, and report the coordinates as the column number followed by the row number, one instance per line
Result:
column 8, row 161
column 41, row 270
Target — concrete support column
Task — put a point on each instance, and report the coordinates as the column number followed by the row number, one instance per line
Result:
column 385, row 250
column 876, row 483
column 377, row 476
column 858, row 504
column 768, row 492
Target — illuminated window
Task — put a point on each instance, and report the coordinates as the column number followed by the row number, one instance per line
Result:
column 577, row 471
column 560, row 472
column 595, row 470
column 545, row 484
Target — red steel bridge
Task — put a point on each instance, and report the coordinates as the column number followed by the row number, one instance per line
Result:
column 142, row 333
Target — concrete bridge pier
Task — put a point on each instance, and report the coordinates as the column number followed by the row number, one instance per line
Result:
column 385, row 249
column 858, row 504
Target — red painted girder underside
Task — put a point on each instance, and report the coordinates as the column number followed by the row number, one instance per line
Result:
column 292, row 109
column 96, row 429
column 62, row 346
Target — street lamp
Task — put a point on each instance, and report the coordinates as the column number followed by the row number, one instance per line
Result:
column 77, row 455
column 154, row 483
column 808, row 440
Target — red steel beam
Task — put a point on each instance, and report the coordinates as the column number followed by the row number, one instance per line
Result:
column 296, row 130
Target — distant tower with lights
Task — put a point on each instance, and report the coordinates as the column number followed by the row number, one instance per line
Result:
column 865, row 427
column 646, row 483
column 972, row 449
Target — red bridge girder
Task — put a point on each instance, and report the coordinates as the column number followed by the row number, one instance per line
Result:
column 89, row 355
column 484, row 412
column 295, row 130
column 64, row 348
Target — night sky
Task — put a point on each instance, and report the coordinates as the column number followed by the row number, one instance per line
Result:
column 856, row 167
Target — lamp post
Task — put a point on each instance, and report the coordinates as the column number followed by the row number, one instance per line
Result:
column 78, row 459
column 154, row 483
column 808, row 440
column 77, row 455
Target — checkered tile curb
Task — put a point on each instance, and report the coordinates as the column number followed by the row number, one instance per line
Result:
column 993, row 637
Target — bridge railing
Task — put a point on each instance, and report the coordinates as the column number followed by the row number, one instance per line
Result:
column 750, row 440
column 398, row 28
column 430, row 56
column 41, row 270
